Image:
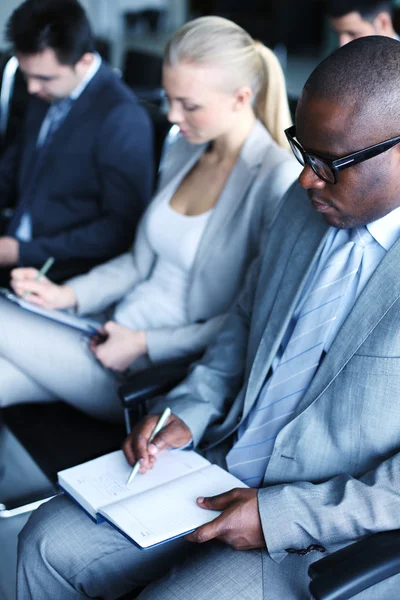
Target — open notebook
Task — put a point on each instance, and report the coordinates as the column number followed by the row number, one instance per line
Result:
column 86, row 326
column 155, row 507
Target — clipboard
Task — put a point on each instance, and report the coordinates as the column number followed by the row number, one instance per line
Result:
column 86, row 326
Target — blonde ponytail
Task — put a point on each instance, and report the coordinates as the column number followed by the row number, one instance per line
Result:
column 272, row 106
column 219, row 42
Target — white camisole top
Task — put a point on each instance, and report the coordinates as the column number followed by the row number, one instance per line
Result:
column 161, row 300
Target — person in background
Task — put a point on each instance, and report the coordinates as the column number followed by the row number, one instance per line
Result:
column 220, row 187
column 353, row 19
column 81, row 173
column 298, row 397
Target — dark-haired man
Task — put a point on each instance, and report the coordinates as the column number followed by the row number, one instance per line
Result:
column 82, row 171
column 299, row 396
column 352, row 19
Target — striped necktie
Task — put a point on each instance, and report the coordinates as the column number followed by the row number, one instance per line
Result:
column 20, row 225
column 280, row 395
column 56, row 116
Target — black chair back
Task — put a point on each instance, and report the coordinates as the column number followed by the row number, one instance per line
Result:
column 14, row 101
column 161, row 127
column 142, row 71
column 58, row 436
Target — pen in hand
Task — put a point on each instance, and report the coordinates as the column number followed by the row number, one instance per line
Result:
column 47, row 265
column 159, row 425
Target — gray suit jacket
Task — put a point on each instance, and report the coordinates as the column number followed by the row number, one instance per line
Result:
column 334, row 476
column 257, row 183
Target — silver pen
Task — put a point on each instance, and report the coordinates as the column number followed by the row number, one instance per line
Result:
column 159, row 425
column 47, row 265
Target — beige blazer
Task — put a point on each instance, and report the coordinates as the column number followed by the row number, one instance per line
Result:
column 245, row 209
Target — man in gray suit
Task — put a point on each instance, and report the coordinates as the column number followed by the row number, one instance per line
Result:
column 299, row 395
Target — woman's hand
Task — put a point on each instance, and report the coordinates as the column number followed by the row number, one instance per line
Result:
column 43, row 292
column 121, row 347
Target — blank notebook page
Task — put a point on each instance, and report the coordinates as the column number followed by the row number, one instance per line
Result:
column 161, row 514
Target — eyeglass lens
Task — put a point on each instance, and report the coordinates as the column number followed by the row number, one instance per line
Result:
column 297, row 152
column 321, row 169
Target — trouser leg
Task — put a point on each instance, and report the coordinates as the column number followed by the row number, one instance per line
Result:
column 16, row 385
column 64, row 555
column 13, row 385
column 57, row 359
column 214, row 570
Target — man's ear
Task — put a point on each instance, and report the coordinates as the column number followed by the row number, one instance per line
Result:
column 383, row 24
column 243, row 97
column 396, row 157
column 86, row 60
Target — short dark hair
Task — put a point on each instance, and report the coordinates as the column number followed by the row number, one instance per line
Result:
column 61, row 25
column 368, row 9
column 363, row 74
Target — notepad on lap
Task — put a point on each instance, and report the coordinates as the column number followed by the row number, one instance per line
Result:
column 155, row 507
column 85, row 326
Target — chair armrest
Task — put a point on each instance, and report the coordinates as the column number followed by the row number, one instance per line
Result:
column 151, row 382
column 349, row 571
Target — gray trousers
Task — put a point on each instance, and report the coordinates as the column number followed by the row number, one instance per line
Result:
column 41, row 361
column 63, row 555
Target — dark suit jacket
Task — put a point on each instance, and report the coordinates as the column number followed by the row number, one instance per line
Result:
column 85, row 198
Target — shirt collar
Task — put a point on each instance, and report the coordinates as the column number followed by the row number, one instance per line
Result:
column 94, row 67
column 387, row 229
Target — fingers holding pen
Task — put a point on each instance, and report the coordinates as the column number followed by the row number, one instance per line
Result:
column 137, row 446
column 174, row 434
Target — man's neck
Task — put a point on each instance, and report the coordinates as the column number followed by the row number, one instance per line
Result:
column 88, row 75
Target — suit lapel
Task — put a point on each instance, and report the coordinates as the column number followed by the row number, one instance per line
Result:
column 357, row 327
column 296, row 261
column 30, row 143
column 32, row 168
column 237, row 186
column 75, row 116
column 177, row 171
column 173, row 178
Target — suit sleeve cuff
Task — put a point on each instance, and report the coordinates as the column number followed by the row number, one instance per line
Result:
column 30, row 254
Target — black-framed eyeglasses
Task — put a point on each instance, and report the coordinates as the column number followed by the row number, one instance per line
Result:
column 327, row 169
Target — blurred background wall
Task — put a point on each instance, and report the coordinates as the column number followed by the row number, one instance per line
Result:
column 131, row 34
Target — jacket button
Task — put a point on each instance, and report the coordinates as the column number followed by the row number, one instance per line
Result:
column 304, row 551
column 318, row 548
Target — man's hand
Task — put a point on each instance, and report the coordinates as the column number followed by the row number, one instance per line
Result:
column 122, row 346
column 174, row 434
column 239, row 525
column 9, row 251
column 43, row 292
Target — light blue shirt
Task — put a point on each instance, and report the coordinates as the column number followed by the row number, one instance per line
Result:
column 24, row 231
column 385, row 232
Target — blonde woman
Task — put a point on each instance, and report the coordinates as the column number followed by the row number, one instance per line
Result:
column 220, row 186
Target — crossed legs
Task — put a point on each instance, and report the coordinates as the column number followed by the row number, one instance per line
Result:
column 42, row 361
